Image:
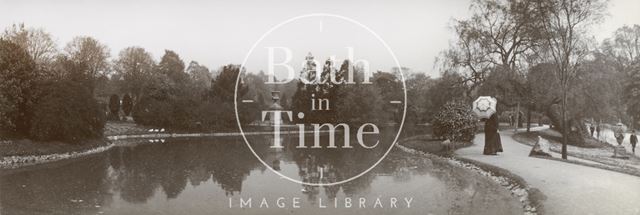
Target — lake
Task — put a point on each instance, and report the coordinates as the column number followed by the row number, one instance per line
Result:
column 212, row 176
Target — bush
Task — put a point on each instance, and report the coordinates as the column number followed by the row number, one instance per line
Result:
column 66, row 111
column 127, row 105
column 165, row 106
column 455, row 121
column 153, row 110
column 114, row 106
column 178, row 106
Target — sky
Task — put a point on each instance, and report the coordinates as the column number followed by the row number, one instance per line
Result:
column 215, row 33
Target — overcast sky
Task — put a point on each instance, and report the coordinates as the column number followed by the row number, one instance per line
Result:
column 215, row 33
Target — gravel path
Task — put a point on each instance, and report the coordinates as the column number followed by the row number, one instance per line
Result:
column 569, row 188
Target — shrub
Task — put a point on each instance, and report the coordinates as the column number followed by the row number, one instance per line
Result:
column 153, row 111
column 66, row 111
column 455, row 121
column 127, row 104
column 114, row 106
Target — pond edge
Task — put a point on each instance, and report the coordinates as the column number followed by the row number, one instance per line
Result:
column 20, row 161
column 530, row 198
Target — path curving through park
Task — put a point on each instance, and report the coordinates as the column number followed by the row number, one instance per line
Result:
column 569, row 188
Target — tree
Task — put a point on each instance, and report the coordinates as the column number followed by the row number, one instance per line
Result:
column 66, row 112
column 506, row 86
column 114, row 105
column 500, row 33
column 563, row 26
column 67, row 69
column 200, row 75
column 223, row 92
column 155, row 105
column 224, row 85
column 173, row 67
column 17, row 86
column 544, row 90
column 622, row 51
column 5, row 106
column 89, row 51
column 323, row 89
column 358, row 102
column 447, row 88
column 284, row 100
column 418, row 86
column 300, row 100
column 632, row 94
column 127, row 104
column 134, row 65
column 390, row 89
column 37, row 43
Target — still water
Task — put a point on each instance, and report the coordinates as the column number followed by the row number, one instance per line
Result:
column 211, row 175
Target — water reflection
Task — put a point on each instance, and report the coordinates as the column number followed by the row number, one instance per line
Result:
column 197, row 176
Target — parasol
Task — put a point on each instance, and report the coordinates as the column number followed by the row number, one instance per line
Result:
column 485, row 106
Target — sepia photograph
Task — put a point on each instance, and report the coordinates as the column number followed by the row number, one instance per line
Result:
column 430, row 107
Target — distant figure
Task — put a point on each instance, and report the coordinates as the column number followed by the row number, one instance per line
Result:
column 276, row 165
column 598, row 131
column 619, row 134
column 492, row 143
column 592, row 129
column 520, row 119
column 510, row 119
column 634, row 140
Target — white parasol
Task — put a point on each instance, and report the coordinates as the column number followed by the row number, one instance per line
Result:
column 485, row 106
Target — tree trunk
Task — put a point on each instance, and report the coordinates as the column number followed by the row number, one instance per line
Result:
column 528, row 119
column 517, row 117
column 564, row 122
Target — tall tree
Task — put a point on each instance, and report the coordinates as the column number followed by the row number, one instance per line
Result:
column 223, row 91
column 500, row 33
column 134, row 65
column 92, row 53
column 300, row 100
column 623, row 51
column 173, row 67
column 17, row 86
column 418, row 85
column 623, row 48
column 224, row 86
column 200, row 75
column 564, row 25
column 390, row 89
column 38, row 43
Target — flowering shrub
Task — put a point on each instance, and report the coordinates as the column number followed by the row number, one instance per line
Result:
column 455, row 121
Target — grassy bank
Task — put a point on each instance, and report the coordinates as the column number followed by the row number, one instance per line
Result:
column 24, row 147
column 426, row 143
column 599, row 154
column 27, row 147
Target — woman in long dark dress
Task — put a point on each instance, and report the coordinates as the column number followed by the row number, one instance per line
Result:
column 492, row 143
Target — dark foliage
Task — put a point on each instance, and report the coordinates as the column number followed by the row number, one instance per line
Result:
column 17, row 80
column 127, row 104
column 455, row 121
column 114, row 105
column 66, row 111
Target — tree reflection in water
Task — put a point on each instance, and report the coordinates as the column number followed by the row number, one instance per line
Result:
column 136, row 172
